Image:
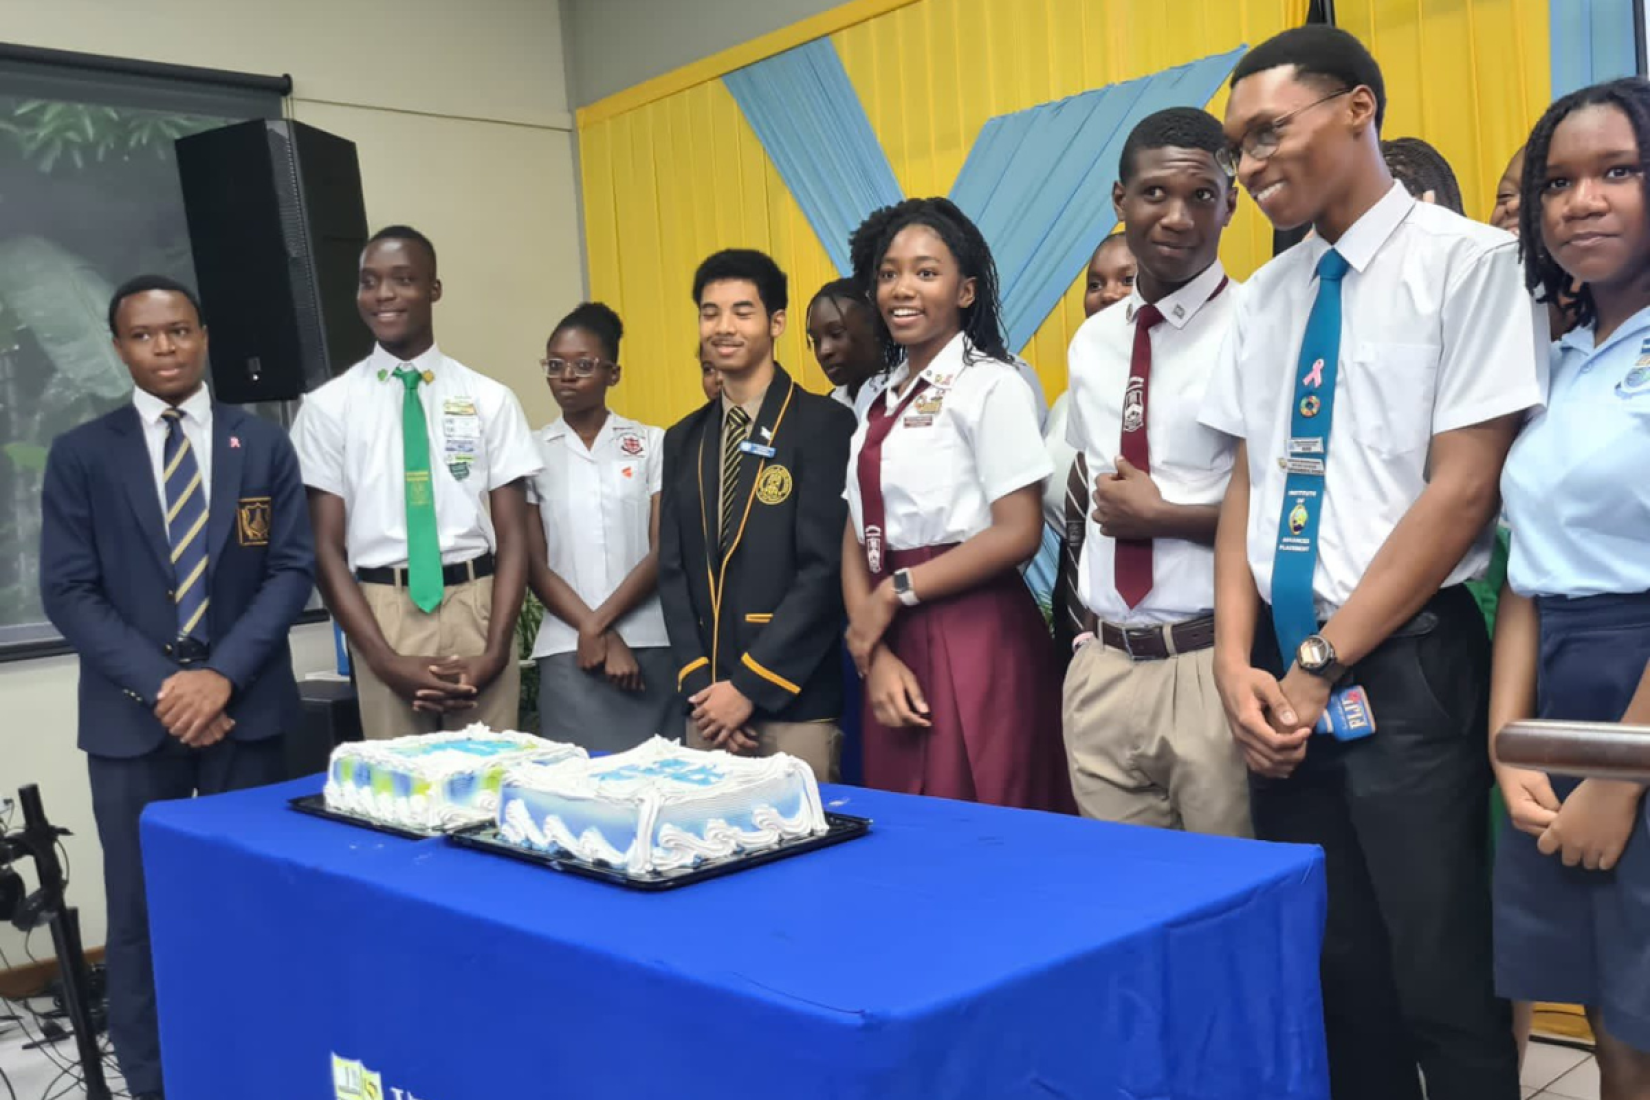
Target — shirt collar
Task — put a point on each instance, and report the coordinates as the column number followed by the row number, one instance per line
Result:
column 1359, row 244
column 558, row 429
column 383, row 365
column 149, row 407
column 1581, row 338
column 753, row 407
column 1184, row 304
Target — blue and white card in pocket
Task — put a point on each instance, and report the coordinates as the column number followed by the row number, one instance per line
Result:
column 1348, row 716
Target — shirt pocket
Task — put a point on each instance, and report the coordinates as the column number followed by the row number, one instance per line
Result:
column 1387, row 397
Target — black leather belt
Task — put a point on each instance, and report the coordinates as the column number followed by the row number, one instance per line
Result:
column 1157, row 643
column 188, row 651
column 451, row 575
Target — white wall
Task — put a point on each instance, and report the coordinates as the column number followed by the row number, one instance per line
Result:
column 614, row 44
column 459, row 113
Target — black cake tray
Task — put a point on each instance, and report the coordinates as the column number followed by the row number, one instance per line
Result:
column 840, row 829
column 316, row 806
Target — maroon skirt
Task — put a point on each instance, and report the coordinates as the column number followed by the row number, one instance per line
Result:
column 985, row 662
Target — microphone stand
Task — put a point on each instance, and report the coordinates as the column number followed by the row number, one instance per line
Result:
column 38, row 840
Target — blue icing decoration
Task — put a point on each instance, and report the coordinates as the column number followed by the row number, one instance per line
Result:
column 472, row 746
column 674, row 770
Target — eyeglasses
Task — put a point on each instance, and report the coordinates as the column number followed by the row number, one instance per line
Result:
column 578, row 368
column 1262, row 141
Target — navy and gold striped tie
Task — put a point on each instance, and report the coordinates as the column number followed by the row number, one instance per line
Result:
column 185, row 527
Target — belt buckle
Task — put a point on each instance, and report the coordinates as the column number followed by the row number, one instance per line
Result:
column 1128, row 642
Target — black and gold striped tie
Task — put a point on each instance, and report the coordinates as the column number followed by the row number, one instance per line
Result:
column 734, row 432
column 1070, row 616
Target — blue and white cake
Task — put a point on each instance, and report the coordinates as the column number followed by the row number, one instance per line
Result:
column 433, row 781
column 659, row 807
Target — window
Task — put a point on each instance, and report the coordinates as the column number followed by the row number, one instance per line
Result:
column 89, row 196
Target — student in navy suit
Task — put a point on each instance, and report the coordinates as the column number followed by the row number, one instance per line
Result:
column 175, row 555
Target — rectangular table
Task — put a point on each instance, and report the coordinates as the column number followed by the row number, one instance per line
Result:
column 959, row 951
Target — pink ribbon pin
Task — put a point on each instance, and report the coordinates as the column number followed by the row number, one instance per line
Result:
column 1314, row 377
column 234, row 442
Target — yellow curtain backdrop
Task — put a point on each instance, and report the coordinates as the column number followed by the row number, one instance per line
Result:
column 672, row 172
column 1469, row 76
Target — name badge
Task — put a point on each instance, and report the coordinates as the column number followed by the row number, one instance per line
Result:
column 461, row 426
column 757, row 449
column 918, row 421
column 1303, row 465
column 1309, row 446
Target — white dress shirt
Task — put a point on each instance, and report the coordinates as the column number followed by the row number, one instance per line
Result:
column 596, row 504
column 348, row 439
column 1190, row 463
column 868, row 391
column 1437, row 334
column 970, row 439
column 197, row 429
column 1062, row 456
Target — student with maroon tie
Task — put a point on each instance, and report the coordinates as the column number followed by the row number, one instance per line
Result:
column 1145, row 730
column 944, row 493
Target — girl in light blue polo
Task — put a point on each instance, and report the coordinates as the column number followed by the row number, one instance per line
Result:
column 1572, row 883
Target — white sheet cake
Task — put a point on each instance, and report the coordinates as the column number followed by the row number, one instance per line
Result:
column 659, row 806
column 436, row 780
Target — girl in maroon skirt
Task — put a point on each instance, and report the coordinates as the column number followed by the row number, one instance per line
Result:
column 962, row 696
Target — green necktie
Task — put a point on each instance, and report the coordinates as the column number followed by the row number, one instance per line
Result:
column 423, row 542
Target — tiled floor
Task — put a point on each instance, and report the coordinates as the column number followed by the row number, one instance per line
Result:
column 1559, row 1073
column 39, row 1074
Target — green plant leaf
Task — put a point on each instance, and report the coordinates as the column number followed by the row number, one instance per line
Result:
column 26, row 456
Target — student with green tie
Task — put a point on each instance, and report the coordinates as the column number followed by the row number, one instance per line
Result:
column 416, row 468
column 1375, row 376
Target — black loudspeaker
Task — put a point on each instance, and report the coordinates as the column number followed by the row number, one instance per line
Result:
column 276, row 225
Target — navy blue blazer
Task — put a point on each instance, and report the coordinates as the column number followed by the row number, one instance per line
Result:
column 106, row 574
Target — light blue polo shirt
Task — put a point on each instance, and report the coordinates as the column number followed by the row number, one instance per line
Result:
column 1577, row 483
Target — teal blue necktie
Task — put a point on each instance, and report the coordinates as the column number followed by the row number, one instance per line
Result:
column 1293, row 612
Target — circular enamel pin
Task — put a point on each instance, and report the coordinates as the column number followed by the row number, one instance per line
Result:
column 1310, row 406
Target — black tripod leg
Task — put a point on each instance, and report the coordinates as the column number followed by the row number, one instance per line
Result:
column 71, row 960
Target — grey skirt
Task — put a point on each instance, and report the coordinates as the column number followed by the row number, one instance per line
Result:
column 582, row 708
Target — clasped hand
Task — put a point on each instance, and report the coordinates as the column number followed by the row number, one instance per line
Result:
column 190, row 704
column 868, row 623
column 1272, row 722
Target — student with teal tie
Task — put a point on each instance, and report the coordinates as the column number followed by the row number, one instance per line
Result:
column 417, row 468
column 1375, row 376
column 1572, row 641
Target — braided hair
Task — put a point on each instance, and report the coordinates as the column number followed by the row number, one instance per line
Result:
column 841, row 291
column 1543, row 274
column 599, row 320
column 981, row 322
column 1422, row 168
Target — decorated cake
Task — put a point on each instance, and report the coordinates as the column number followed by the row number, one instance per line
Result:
column 659, row 807
column 434, row 780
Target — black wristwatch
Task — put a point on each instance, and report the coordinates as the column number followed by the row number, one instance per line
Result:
column 1317, row 656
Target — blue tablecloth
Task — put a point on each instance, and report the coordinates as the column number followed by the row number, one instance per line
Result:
column 959, row 951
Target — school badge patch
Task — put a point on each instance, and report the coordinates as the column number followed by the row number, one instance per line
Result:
column 774, row 486
column 1636, row 382
column 252, row 519
column 631, row 445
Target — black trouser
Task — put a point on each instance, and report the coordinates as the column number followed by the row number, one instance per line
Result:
column 1402, row 817
column 121, row 788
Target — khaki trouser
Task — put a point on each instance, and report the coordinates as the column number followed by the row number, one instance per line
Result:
column 816, row 744
column 1148, row 743
column 458, row 628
